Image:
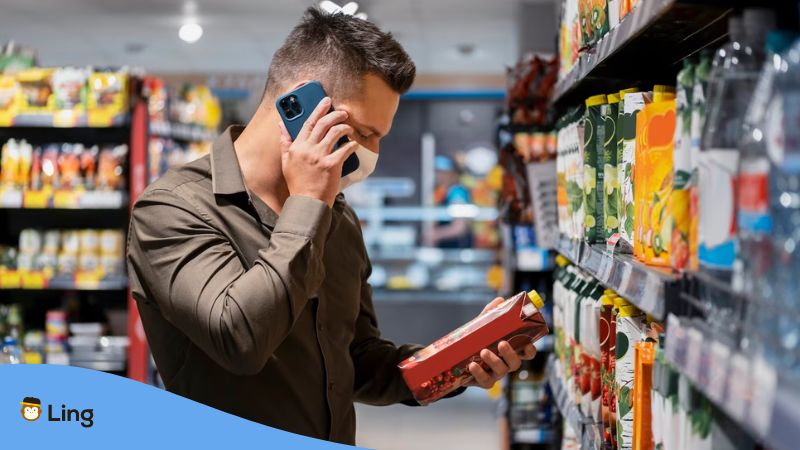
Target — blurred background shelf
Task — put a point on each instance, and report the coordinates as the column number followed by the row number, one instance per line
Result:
column 16, row 199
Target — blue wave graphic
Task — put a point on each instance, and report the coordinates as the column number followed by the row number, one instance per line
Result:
column 125, row 414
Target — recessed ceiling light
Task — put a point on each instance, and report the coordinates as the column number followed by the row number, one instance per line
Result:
column 190, row 32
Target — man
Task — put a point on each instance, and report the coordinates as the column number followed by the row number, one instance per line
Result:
column 248, row 267
column 454, row 233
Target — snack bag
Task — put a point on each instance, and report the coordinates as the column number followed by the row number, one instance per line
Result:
column 655, row 131
column 610, row 179
column 107, row 97
column 679, row 201
column 441, row 367
column 594, row 140
column 37, row 90
column 69, row 87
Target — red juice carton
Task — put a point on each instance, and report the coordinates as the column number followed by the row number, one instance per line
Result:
column 441, row 367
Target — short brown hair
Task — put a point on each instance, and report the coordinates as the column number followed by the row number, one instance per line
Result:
column 339, row 50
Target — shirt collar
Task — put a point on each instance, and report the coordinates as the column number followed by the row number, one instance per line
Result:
column 226, row 176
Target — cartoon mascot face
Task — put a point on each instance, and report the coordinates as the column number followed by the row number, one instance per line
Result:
column 31, row 408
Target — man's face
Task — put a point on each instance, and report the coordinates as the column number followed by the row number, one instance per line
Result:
column 371, row 113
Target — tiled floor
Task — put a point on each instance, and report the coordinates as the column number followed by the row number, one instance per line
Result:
column 466, row 422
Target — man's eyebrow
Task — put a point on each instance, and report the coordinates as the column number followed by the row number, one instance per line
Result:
column 370, row 128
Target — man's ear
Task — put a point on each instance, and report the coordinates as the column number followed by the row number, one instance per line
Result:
column 299, row 83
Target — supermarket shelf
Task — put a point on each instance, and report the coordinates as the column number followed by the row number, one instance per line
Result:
column 533, row 436
column 16, row 199
column 68, row 119
column 82, row 134
column 647, row 287
column 649, row 44
column 533, row 259
column 430, row 295
column 13, row 280
column 585, row 427
column 417, row 213
column 434, row 256
column 182, row 131
column 731, row 380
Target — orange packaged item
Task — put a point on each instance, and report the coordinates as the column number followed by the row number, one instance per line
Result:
column 69, row 166
column 441, row 367
column 643, row 357
column 655, row 129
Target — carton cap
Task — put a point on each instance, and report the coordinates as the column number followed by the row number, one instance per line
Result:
column 596, row 100
column 613, row 98
column 536, row 299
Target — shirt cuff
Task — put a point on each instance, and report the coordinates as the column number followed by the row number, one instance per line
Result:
column 305, row 216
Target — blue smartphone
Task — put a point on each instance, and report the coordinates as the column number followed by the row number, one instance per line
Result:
column 297, row 105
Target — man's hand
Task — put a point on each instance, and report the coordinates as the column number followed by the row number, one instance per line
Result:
column 309, row 165
column 506, row 360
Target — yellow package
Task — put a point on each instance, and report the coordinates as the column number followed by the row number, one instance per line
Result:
column 655, row 130
column 37, row 90
column 108, row 97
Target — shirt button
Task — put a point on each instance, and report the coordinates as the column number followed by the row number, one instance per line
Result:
column 330, row 386
column 320, row 327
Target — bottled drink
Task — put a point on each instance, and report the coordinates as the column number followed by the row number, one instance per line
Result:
column 11, row 351
column 782, row 136
column 754, row 259
column 734, row 76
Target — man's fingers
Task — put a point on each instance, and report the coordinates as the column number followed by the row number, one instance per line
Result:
column 322, row 108
column 498, row 366
column 481, row 377
column 340, row 155
column 508, row 354
column 334, row 134
column 325, row 124
column 528, row 353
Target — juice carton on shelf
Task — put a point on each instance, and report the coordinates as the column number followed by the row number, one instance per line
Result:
column 680, row 199
column 702, row 73
column 594, row 20
column 630, row 324
column 655, row 130
column 607, row 348
column 441, row 367
column 644, row 354
column 594, row 141
column 632, row 103
column 610, row 179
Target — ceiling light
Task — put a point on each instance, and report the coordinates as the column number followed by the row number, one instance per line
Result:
column 190, row 32
column 350, row 8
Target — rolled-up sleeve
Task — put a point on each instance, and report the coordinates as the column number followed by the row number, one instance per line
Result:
column 193, row 275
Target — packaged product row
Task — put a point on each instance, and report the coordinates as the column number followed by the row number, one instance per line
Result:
column 165, row 153
column 610, row 356
column 701, row 176
column 62, row 341
column 62, row 166
column 65, row 96
column 191, row 104
column 66, row 252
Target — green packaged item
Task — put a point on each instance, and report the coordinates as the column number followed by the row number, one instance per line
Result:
column 610, row 180
column 594, row 23
column 702, row 73
column 594, row 140
column 631, row 104
column 630, row 323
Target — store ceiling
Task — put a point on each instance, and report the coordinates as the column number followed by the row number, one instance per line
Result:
column 241, row 35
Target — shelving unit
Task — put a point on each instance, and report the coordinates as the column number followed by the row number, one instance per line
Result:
column 83, row 209
column 731, row 379
column 584, row 427
column 652, row 289
column 649, row 44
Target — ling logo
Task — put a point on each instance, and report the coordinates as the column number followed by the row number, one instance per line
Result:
column 31, row 408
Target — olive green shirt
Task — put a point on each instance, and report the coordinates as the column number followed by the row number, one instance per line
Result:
column 265, row 316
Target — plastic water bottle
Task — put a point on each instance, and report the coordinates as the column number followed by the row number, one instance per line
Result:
column 11, row 351
column 734, row 76
column 782, row 135
column 755, row 256
column 754, row 224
